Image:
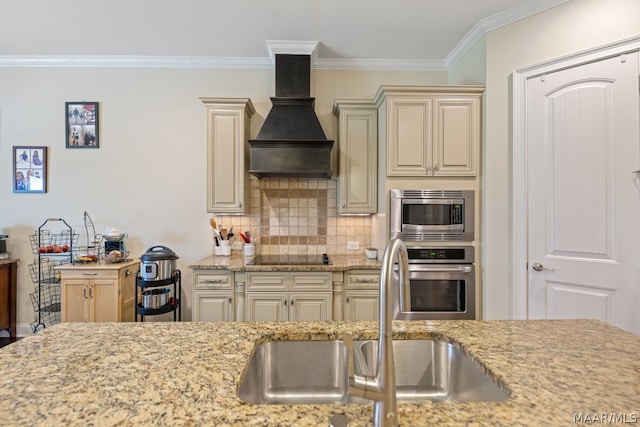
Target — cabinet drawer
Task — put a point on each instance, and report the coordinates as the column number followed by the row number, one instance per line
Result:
column 212, row 280
column 363, row 280
column 267, row 281
column 311, row 281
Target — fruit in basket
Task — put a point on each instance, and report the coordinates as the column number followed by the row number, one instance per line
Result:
column 49, row 249
column 57, row 249
column 42, row 249
column 65, row 248
column 115, row 256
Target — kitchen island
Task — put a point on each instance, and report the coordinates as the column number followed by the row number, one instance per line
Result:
column 186, row 374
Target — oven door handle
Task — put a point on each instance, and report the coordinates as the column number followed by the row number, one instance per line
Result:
column 438, row 269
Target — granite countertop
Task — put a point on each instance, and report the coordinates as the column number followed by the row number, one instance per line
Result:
column 186, row 374
column 237, row 262
column 8, row 261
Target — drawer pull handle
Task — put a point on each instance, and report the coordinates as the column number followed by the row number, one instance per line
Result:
column 89, row 274
column 365, row 280
column 215, row 280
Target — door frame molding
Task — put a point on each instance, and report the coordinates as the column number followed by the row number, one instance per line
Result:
column 519, row 206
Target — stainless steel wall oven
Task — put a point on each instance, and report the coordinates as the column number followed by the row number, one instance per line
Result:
column 442, row 284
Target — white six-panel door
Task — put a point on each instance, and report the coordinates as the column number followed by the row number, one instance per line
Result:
column 582, row 195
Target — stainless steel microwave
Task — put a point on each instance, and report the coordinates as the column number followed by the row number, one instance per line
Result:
column 432, row 215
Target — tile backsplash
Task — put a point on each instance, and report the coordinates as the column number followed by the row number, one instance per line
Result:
column 298, row 216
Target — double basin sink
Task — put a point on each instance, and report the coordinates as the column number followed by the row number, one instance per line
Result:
column 316, row 372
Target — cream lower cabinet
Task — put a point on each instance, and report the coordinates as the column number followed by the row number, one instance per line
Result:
column 281, row 296
column 361, row 295
column 430, row 131
column 213, row 296
column 98, row 292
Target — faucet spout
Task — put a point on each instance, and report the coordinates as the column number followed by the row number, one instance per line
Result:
column 382, row 387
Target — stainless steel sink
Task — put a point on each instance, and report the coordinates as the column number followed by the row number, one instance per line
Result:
column 316, row 372
column 297, row 372
column 436, row 371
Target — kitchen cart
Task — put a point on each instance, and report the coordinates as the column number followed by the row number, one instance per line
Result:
column 172, row 303
column 53, row 247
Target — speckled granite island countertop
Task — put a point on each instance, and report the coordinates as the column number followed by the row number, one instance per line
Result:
column 186, row 374
column 237, row 262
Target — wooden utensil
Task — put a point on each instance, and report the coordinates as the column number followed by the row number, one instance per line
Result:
column 223, row 233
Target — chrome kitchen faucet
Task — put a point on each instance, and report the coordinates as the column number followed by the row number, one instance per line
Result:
column 382, row 387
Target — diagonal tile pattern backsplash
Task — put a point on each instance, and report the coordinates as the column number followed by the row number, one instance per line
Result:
column 298, row 216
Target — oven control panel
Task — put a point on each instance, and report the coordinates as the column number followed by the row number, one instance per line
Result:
column 456, row 255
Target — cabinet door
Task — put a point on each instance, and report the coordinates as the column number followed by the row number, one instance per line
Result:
column 74, row 305
column 409, row 136
column 266, row 307
column 228, row 154
column 456, row 136
column 358, row 157
column 212, row 306
column 361, row 305
column 127, row 296
column 310, row 306
column 104, row 300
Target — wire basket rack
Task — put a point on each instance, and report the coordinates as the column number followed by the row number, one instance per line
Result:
column 43, row 270
column 43, row 241
column 46, row 302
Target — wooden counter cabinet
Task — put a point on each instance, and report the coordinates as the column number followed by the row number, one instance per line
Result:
column 8, row 279
column 98, row 292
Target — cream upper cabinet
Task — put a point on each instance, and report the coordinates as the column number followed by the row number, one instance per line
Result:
column 358, row 156
column 228, row 128
column 430, row 131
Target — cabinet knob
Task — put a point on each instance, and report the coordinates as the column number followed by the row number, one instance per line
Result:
column 230, row 300
column 291, row 302
column 348, row 298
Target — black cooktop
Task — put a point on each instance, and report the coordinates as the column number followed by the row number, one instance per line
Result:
column 289, row 259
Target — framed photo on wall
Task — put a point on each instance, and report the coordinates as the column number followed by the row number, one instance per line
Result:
column 30, row 169
column 82, row 124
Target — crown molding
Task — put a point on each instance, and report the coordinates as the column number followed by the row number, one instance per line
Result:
column 496, row 21
column 291, row 48
column 133, row 61
column 379, row 64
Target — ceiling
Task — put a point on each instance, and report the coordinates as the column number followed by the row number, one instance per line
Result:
column 351, row 34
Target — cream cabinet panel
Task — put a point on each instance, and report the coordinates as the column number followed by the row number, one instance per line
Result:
column 361, row 305
column 310, row 306
column 98, row 292
column 228, row 129
column 409, row 136
column 358, row 156
column 213, row 296
column 457, row 136
column 310, row 281
column 362, row 295
column 430, row 131
column 212, row 306
column 280, row 296
column 266, row 307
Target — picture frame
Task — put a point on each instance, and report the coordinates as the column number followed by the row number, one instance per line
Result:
column 29, row 169
column 82, row 120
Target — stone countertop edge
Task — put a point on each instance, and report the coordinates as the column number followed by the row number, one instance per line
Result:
column 237, row 262
column 186, row 373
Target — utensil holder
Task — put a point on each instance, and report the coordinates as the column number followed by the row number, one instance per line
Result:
column 249, row 249
column 225, row 248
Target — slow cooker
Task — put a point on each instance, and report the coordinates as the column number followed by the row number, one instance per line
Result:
column 158, row 263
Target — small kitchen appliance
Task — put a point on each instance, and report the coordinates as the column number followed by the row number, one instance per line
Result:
column 431, row 215
column 158, row 263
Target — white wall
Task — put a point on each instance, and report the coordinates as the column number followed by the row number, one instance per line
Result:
column 572, row 27
column 148, row 177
